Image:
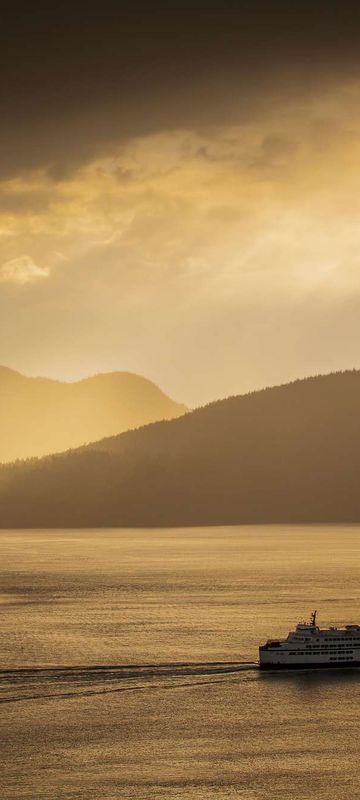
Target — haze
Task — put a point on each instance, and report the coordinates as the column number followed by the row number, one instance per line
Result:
column 179, row 194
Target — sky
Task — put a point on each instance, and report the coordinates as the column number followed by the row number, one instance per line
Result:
column 179, row 192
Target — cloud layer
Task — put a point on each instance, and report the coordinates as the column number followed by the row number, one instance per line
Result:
column 209, row 257
column 22, row 270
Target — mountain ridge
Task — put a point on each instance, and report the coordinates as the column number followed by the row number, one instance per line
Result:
column 285, row 454
column 39, row 416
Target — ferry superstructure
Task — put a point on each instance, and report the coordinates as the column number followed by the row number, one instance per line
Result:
column 312, row 647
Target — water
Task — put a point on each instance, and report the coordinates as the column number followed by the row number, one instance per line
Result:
column 127, row 665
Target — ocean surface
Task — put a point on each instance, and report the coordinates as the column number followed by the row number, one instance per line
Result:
column 127, row 664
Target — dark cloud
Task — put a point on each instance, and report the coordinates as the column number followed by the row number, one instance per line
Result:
column 21, row 202
column 74, row 78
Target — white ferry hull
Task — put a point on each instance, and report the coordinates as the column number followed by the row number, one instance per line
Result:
column 309, row 665
column 311, row 647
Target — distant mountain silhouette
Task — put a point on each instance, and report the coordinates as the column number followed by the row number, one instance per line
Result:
column 285, row 454
column 40, row 416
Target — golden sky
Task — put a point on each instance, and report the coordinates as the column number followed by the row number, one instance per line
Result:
column 213, row 256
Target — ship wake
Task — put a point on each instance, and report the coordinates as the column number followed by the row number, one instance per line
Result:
column 51, row 683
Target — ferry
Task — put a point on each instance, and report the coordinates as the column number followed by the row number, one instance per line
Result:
column 310, row 647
